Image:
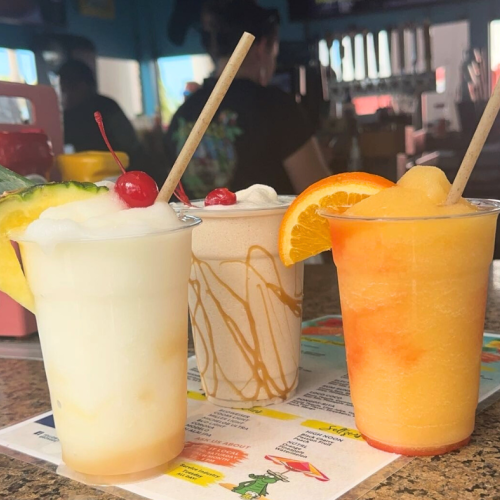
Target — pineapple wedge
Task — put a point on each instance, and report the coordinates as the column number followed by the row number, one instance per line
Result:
column 17, row 210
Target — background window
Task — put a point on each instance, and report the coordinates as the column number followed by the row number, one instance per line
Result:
column 120, row 79
column 175, row 74
column 16, row 66
column 495, row 52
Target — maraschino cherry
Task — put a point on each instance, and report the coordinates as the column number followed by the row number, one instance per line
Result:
column 137, row 189
column 220, row 196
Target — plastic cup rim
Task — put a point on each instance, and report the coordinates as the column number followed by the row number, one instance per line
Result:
column 190, row 221
column 202, row 212
column 491, row 207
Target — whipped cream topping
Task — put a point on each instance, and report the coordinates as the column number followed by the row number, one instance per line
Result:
column 104, row 216
column 255, row 197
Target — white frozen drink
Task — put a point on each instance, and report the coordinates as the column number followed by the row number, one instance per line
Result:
column 110, row 289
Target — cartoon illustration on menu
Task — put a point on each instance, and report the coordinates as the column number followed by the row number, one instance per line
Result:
column 324, row 326
column 256, row 489
column 491, row 352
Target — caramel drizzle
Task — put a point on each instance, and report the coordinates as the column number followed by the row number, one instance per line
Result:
column 252, row 355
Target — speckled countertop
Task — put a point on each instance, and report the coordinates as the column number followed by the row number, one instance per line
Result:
column 468, row 474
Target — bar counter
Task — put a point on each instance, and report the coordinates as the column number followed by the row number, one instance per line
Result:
column 470, row 473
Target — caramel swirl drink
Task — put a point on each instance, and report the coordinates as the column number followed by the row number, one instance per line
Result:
column 245, row 305
column 413, row 278
column 110, row 295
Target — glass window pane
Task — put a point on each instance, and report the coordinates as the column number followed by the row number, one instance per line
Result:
column 178, row 77
column 120, row 79
column 336, row 59
column 372, row 61
column 359, row 70
column 18, row 65
column 495, row 51
column 347, row 60
column 27, row 66
column 324, row 58
column 384, row 57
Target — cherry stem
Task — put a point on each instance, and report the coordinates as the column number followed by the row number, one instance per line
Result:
column 100, row 124
column 181, row 195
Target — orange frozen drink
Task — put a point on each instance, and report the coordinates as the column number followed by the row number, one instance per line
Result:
column 413, row 277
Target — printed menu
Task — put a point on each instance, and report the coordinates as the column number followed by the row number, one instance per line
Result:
column 307, row 447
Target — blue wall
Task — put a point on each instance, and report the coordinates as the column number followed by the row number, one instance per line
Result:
column 139, row 29
column 113, row 38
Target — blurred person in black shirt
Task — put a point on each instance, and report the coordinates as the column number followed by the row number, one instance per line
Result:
column 80, row 100
column 259, row 135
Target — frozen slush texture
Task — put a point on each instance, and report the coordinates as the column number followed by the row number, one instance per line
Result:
column 112, row 317
column 101, row 217
column 413, row 297
column 420, row 192
column 110, row 287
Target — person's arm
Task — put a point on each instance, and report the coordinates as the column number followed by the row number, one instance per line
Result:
column 295, row 143
column 306, row 166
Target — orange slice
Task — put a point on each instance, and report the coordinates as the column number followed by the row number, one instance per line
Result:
column 304, row 233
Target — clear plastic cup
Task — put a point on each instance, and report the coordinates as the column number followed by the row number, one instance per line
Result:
column 413, row 297
column 112, row 317
column 245, row 308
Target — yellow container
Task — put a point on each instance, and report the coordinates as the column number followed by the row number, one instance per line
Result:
column 90, row 166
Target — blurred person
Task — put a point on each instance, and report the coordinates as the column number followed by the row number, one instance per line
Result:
column 80, row 100
column 190, row 88
column 259, row 135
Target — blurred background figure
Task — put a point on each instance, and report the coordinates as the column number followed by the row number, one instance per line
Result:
column 80, row 100
column 259, row 134
column 191, row 88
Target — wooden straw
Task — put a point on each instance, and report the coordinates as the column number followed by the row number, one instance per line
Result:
column 206, row 116
column 475, row 147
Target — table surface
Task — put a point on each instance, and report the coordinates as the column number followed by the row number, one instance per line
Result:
column 469, row 473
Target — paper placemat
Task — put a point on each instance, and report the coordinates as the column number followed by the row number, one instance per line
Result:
column 307, row 447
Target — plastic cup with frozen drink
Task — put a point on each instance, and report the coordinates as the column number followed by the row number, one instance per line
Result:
column 110, row 292
column 245, row 305
column 413, row 277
